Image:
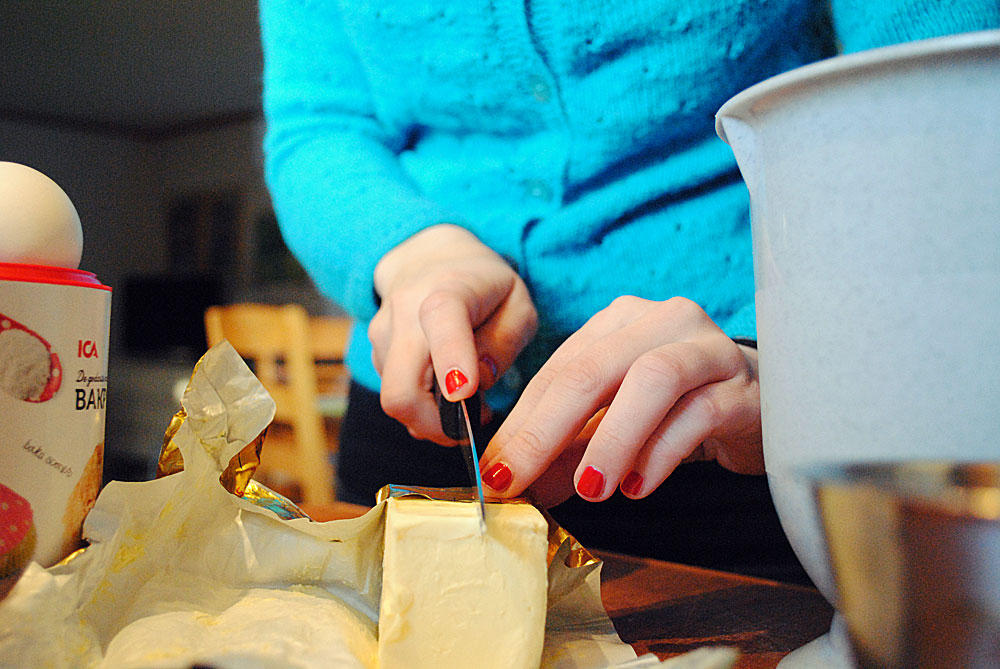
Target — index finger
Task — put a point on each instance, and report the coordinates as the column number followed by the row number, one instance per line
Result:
column 556, row 406
column 600, row 325
column 447, row 327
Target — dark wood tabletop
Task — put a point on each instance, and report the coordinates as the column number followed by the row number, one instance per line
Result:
column 669, row 609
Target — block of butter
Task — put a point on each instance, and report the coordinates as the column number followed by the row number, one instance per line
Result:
column 452, row 597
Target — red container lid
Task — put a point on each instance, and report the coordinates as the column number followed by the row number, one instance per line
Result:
column 46, row 274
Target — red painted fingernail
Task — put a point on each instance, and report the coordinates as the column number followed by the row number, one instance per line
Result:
column 498, row 477
column 632, row 484
column 591, row 483
column 454, row 380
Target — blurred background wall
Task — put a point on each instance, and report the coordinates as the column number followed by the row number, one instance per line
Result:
column 147, row 113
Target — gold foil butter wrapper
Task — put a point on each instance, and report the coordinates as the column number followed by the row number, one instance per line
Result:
column 569, row 562
column 208, row 533
column 237, row 477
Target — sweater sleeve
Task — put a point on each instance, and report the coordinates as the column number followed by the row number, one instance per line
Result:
column 331, row 166
column 867, row 24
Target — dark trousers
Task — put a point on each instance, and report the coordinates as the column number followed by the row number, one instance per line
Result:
column 702, row 515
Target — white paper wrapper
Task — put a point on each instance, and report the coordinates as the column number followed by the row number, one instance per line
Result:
column 180, row 571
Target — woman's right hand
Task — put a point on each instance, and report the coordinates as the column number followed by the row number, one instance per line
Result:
column 451, row 307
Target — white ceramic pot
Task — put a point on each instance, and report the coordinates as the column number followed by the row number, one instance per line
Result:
column 874, row 183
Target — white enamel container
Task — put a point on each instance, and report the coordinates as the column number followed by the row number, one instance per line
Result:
column 874, row 183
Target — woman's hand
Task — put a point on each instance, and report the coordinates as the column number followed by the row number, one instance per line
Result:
column 674, row 388
column 447, row 298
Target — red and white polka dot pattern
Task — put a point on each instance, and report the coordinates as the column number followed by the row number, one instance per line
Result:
column 15, row 519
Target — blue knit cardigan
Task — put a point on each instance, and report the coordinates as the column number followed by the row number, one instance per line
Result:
column 573, row 137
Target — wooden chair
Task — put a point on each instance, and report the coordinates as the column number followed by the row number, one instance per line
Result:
column 329, row 336
column 278, row 342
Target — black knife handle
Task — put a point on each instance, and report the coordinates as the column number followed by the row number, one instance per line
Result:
column 452, row 421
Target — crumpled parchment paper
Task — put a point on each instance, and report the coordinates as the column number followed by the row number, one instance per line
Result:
column 179, row 571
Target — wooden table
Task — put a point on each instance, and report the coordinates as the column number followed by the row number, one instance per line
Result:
column 669, row 609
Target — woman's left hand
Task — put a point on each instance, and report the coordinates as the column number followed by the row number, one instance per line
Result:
column 640, row 388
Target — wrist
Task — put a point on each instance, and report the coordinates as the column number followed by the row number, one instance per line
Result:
column 423, row 245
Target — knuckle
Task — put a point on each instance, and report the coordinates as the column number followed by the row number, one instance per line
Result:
column 435, row 302
column 736, row 367
column 684, row 308
column 584, row 375
column 621, row 309
column 626, row 302
column 396, row 405
column 707, row 409
column 543, row 378
column 531, row 445
column 377, row 326
column 529, row 323
column 615, row 446
column 659, row 368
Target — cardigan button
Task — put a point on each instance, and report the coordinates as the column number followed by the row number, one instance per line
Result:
column 540, row 89
column 537, row 189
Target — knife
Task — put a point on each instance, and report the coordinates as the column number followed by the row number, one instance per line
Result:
column 456, row 422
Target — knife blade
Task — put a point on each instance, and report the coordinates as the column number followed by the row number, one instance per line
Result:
column 472, row 462
column 456, row 422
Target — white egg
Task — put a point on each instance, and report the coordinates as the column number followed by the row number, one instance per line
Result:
column 38, row 222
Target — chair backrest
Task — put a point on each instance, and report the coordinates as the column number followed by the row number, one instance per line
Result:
column 329, row 336
column 277, row 341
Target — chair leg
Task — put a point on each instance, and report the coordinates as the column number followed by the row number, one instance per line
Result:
column 315, row 470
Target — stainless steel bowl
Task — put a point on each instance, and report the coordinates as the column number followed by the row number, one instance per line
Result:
column 914, row 548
